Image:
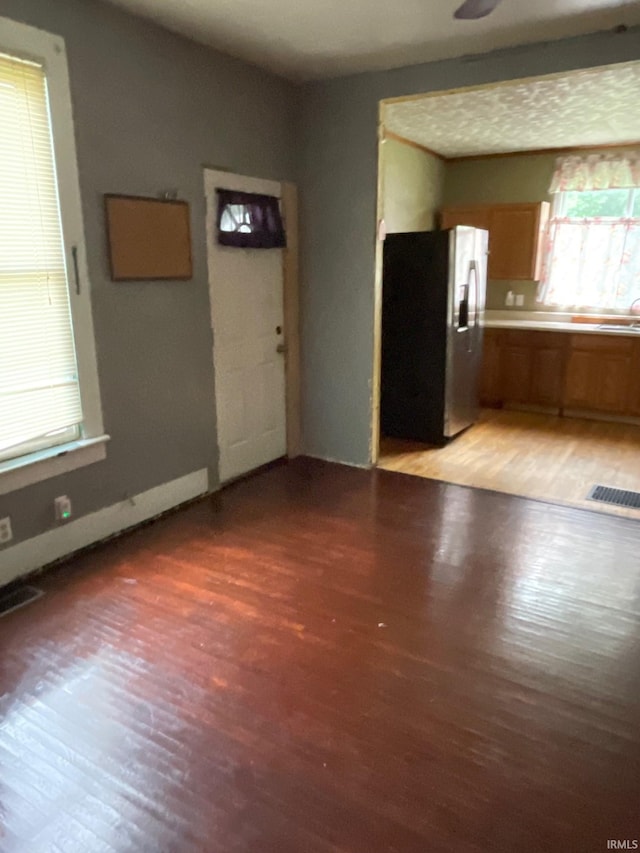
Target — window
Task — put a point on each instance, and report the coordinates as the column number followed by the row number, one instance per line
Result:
column 593, row 240
column 48, row 379
column 249, row 220
column 235, row 218
column 41, row 402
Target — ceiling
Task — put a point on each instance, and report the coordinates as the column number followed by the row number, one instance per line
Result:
column 303, row 40
column 581, row 108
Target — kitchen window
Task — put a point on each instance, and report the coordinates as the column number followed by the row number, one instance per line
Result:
column 49, row 400
column 593, row 239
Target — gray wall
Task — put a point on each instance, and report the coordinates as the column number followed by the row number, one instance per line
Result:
column 338, row 202
column 150, row 108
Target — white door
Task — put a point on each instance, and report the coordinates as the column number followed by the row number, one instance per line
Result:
column 246, row 294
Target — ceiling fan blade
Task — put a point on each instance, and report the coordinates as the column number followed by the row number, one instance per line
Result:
column 474, row 9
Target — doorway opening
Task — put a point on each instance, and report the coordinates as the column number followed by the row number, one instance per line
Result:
column 557, row 396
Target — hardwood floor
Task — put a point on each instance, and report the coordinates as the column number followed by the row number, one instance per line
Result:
column 531, row 455
column 328, row 659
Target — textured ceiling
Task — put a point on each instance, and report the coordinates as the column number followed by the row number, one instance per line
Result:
column 305, row 40
column 592, row 107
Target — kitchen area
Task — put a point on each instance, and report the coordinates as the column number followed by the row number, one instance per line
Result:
column 552, row 180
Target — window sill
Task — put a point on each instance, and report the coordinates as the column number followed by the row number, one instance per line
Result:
column 43, row 464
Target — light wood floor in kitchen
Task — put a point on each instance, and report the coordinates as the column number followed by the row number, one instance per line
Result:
column 531, row 455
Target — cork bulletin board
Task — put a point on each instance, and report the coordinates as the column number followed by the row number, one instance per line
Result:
column 148, row 238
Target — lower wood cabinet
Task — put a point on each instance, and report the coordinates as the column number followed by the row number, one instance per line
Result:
column 561, row 370
column 515, row 368
column 634, row 381
column 547, row 372
column 522, row 367
column 490, row 384
column 599, row 373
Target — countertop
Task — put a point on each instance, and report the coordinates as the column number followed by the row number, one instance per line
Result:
column 537, row 321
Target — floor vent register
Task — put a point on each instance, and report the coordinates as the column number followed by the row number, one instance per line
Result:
column 617, row 497
column 18, row 597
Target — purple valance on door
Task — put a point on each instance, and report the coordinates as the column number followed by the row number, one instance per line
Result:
column 249, row 220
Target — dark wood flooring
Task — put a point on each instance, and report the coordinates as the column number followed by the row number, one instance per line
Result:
column 327, row 659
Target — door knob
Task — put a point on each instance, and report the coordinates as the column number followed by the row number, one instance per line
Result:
column 281, row 348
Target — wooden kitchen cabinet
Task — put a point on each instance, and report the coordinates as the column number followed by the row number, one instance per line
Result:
column 515, row 367
column 561, row 370
column 633, row 399
column 477, row 216
column 523, row 367
column 515, row 235
column 599, row 374
column 547, row 368
column 490, row 378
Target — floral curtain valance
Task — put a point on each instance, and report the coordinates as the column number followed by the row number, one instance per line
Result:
column 596, row 172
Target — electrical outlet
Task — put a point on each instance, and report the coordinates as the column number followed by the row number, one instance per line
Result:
column 6, row 534
column 519, row 300
column 62, row 506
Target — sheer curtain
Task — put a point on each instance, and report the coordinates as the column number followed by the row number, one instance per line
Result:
column 592, row 264
column 594, row 261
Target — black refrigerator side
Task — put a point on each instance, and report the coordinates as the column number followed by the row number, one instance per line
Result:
column 414, row 335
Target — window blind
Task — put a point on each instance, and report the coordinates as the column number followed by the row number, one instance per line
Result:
column 39, row 391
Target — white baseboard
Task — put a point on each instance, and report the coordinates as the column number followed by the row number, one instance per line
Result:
column 34, row 553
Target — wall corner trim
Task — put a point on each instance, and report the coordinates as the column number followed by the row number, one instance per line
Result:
column 32, row 554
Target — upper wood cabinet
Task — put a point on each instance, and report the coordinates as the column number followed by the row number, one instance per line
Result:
column 477, row 216
column 515, row 232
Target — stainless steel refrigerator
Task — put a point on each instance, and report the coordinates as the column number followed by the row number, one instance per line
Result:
column 433, row 298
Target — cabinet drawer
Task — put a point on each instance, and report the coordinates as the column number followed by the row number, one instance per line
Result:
column 602, row 343
column 534, row 338
column 549, row 340
column 517, row 337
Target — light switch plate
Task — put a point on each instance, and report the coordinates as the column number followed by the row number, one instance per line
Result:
column 62, row 507
column 6, row 534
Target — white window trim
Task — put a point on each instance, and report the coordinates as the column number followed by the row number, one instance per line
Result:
column 43, row 464
column 49, row 50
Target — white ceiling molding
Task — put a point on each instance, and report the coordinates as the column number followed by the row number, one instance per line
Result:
column 312, row 40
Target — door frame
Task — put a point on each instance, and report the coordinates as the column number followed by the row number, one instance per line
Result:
column 291, row 305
